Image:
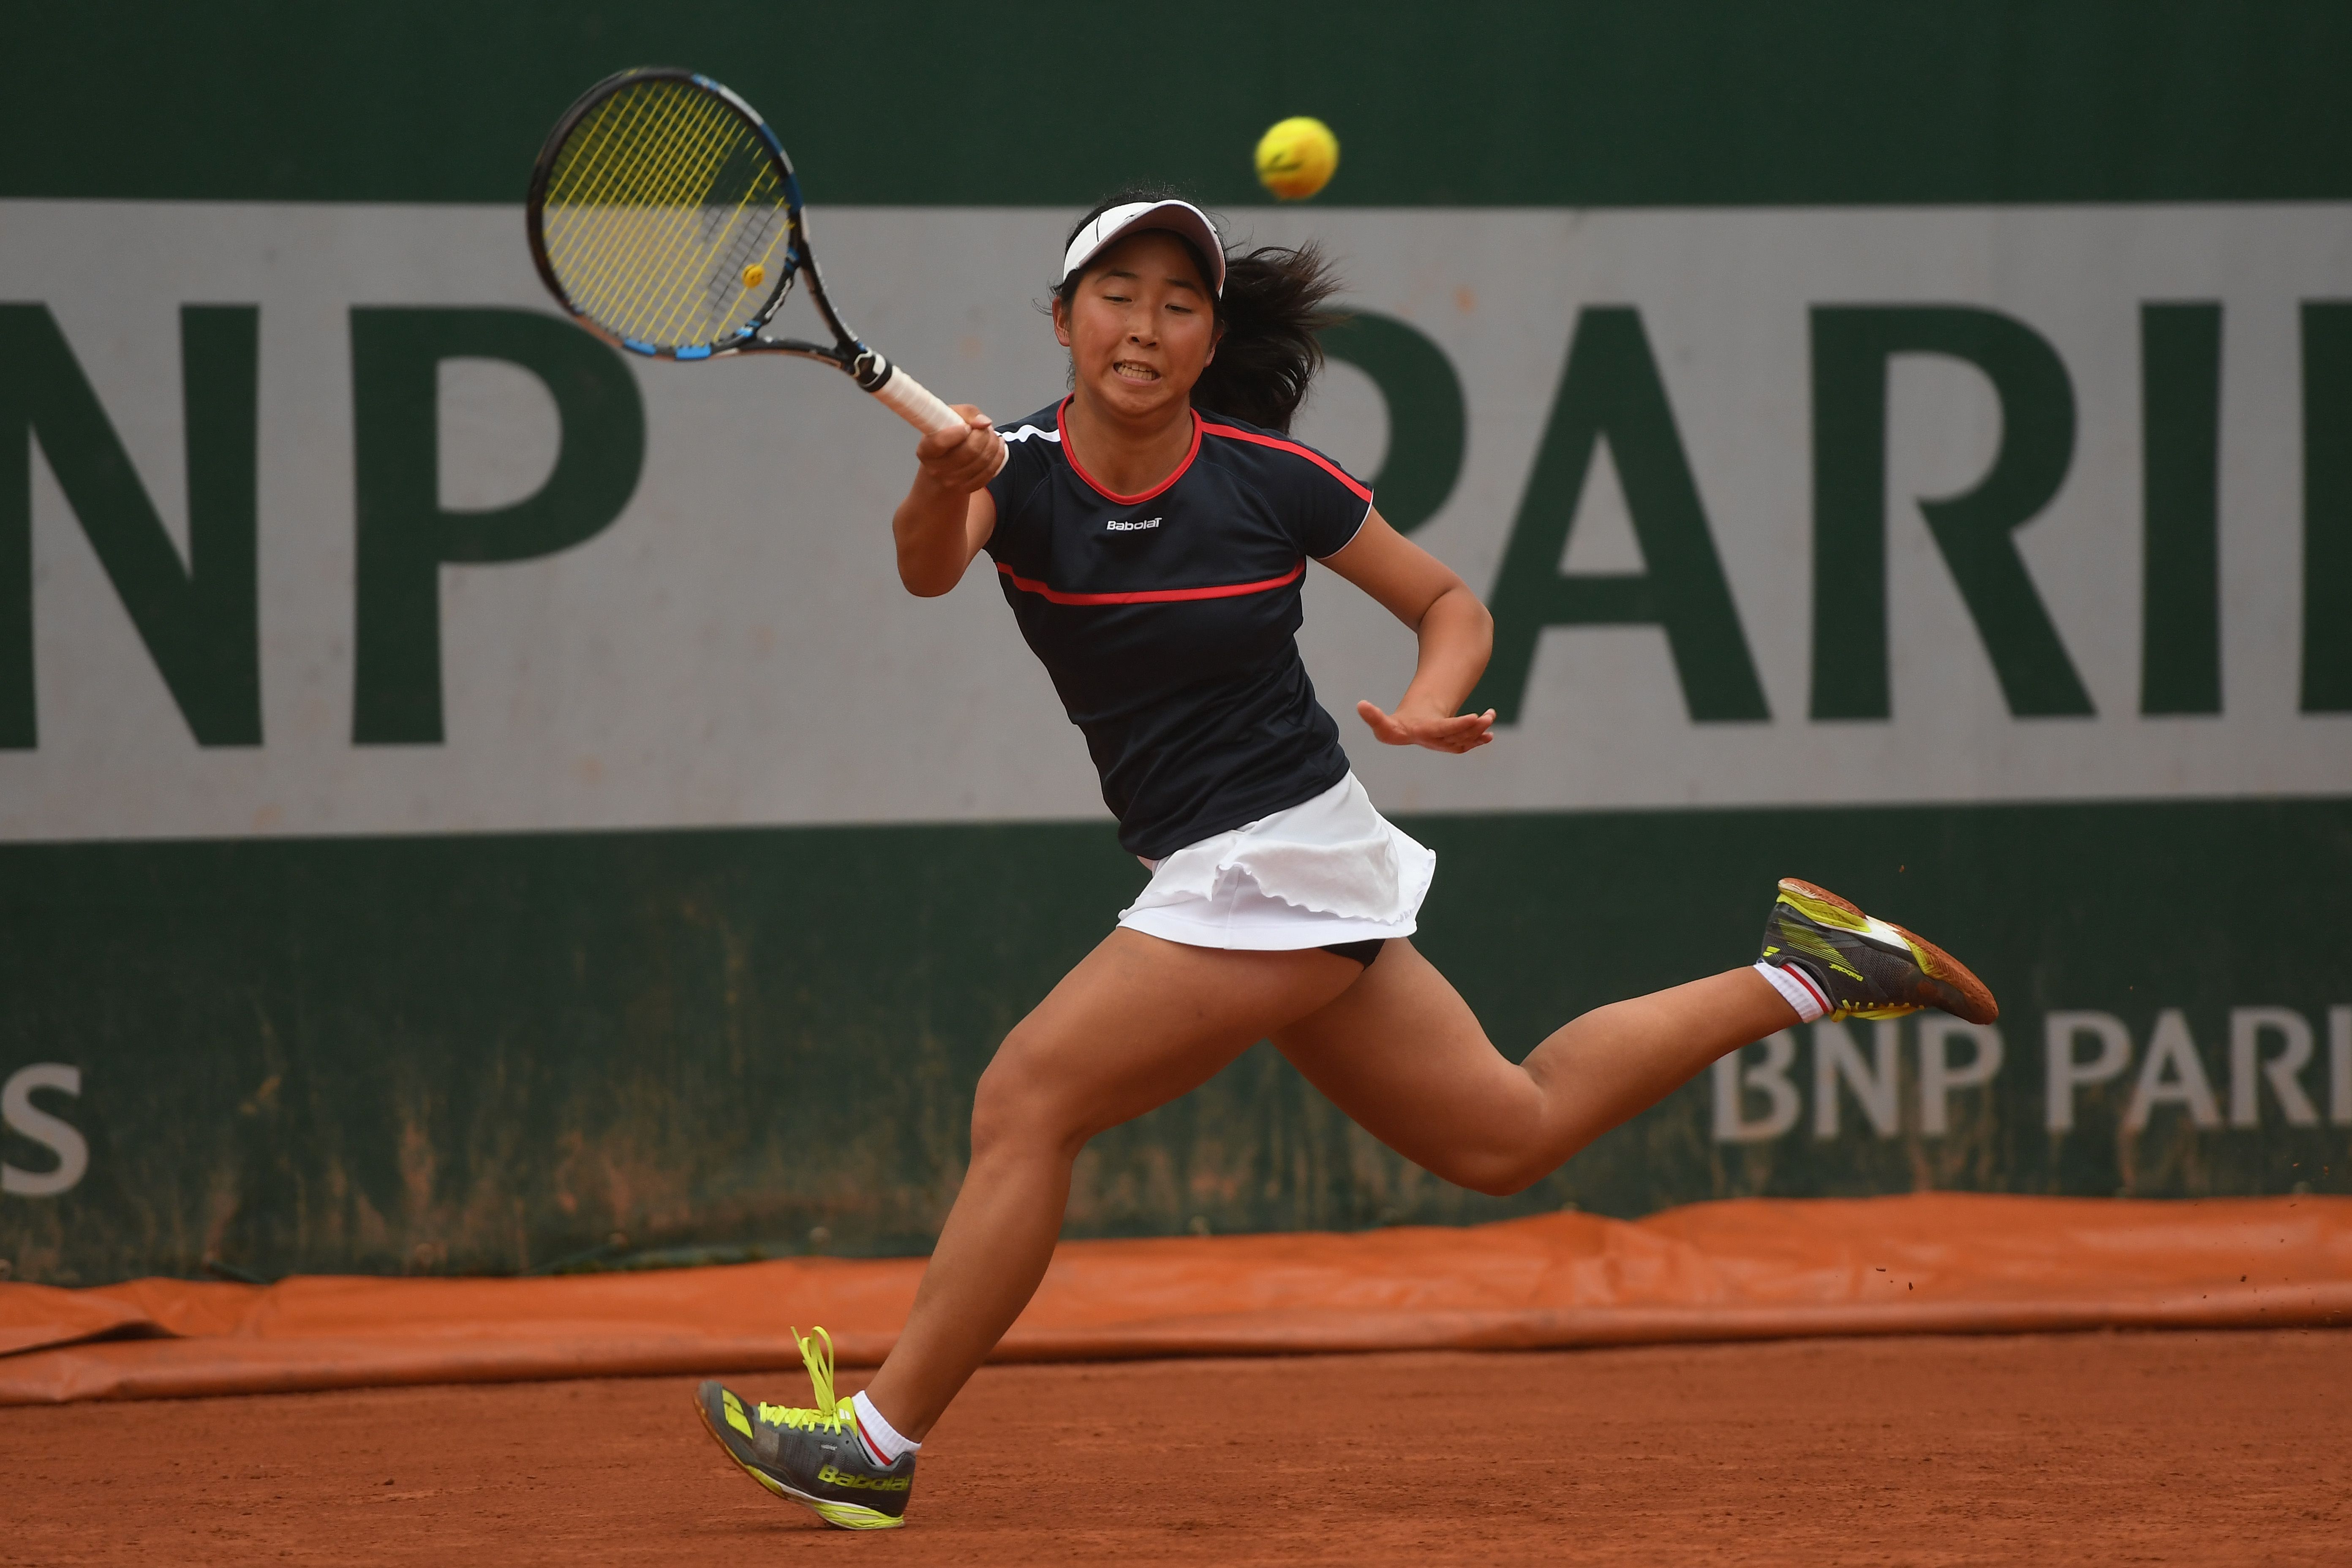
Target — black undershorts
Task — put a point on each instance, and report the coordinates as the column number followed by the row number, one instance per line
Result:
column 1362, row 953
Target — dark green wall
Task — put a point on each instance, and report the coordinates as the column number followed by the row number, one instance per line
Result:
column 489, row 1053
column 1662, row 102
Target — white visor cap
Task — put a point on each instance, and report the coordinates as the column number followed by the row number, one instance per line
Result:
column 1114, row 224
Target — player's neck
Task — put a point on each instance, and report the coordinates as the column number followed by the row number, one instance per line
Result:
column 1128, row 455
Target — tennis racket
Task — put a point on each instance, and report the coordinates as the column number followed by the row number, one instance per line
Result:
column 665, row 217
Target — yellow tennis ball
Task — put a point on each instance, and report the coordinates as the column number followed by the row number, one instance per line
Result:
column 1296, row 157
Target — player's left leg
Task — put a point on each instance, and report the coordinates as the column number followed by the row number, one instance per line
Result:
column 1401, row 1054
column 1404, row 1057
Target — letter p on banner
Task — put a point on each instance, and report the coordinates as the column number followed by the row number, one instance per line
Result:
column 405, row 536
column 1939, row 1074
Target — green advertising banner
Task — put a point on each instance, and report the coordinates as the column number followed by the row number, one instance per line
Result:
column 469, row 803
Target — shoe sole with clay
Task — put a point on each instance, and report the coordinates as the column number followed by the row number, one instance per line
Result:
column 1971, row 1000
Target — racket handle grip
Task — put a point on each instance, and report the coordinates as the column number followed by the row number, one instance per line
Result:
column 912, row 400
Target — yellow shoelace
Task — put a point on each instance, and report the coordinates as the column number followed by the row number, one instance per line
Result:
column 830, row 1412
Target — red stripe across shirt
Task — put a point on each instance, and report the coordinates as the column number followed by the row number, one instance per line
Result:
column 1166, row 619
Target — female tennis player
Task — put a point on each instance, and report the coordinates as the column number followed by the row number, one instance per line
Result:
column 1150, row 531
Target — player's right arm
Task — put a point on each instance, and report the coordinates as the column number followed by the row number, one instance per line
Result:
column 948, row 515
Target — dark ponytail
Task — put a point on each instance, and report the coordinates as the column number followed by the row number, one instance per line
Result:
column 1268, row 316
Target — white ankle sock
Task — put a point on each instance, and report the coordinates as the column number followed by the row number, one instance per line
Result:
column 1797, row 989
column 876, row 1436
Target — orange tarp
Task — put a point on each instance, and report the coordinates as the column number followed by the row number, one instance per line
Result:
column 1933, row 1263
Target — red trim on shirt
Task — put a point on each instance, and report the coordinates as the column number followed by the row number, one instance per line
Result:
column 1152, row 596
column 1062, row 428
column 1279, row 444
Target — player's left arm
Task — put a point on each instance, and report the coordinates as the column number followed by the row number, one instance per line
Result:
column 1456, row 631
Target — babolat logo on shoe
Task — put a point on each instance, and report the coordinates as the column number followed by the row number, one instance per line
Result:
column 833, row 1477
column 735, row 1412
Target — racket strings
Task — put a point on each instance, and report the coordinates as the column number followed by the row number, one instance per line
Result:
column 699, row 152
column 663, row 213
column 617, row 182
column 590, row 226
column 640, row 183
column 593, row 181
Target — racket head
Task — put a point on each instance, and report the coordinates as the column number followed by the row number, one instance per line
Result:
column 664, row 215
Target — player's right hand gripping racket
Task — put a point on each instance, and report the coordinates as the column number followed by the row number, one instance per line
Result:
column 665, row 217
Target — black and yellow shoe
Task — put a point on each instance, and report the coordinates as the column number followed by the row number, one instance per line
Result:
column 1859, row 967
column 811, row 1456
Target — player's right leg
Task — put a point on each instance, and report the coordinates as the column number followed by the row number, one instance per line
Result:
column 1138, row 1022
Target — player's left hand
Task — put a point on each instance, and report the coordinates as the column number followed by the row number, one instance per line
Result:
column 1438, row 732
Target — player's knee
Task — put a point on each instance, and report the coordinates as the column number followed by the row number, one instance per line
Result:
column 1510, row 1181
column 1015, row 1108
column 1499, row 1182
column 1001, row 1114
column 1498, row 1173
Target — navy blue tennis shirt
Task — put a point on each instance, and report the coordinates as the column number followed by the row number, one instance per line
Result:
column 1166, row 619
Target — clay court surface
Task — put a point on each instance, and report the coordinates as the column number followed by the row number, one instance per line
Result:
column 2142, row 1447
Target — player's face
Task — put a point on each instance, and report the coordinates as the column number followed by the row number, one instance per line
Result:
column 1141, row 327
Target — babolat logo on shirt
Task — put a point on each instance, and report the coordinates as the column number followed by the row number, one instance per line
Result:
column 1115, row 526
column 835, row 1477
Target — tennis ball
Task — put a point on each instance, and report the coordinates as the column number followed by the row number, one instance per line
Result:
column 1296, row 157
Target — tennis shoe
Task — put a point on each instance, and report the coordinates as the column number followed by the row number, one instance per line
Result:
column 1861, row 967
column 811, row 1455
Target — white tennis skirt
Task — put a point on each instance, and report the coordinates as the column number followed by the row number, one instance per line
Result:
column 1327, row 871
